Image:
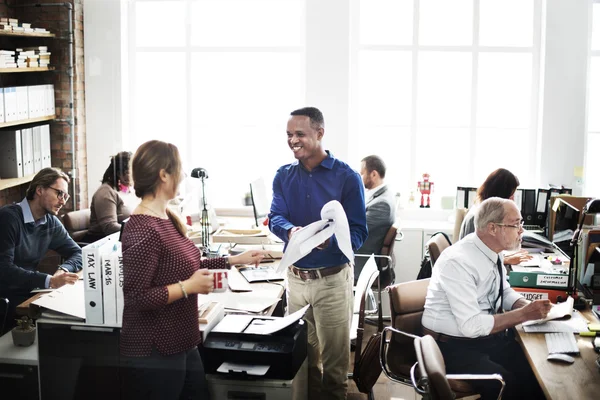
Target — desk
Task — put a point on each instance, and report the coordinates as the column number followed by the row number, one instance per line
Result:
column 580, row 380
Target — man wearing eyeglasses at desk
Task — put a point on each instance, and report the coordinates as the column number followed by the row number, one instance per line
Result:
column 29, row 229
column 466, row 301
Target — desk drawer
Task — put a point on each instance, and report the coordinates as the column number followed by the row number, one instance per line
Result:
column 20, row 380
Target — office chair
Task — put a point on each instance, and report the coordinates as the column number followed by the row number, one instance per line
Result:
column 460, row 215
column 435, row 245
column 397, row 355
column 428, row 375
column 77, row 224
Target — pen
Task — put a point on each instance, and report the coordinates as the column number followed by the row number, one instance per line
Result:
column 266, row 261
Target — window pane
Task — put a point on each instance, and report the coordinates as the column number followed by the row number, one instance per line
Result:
column 386, row 22
column 242, row 101
column 437, row 150
column 247, row 23
column 592, row 184
column 506, row 23
column 159, row 106
column 385, row 87
column 594, row 96
column 444, row 89
column 596, row 27
column 150, row 23
column 444, row 22
column 393, row 145
column 492, row 153
column 504, row 90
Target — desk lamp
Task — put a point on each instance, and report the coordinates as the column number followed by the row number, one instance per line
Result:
column 200, row 173
column 592, row 207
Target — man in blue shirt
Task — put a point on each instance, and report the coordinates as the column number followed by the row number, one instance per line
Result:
column 324, row 277
column 29, row 230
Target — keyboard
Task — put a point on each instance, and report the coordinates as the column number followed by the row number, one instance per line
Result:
column 561, row 342
column 533, row 228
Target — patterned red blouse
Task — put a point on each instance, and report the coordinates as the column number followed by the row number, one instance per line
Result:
column 156, row 255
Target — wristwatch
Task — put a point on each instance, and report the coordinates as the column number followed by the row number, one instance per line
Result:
column 63, row 268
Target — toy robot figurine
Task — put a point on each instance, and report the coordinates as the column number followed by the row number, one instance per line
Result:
column 425, row 187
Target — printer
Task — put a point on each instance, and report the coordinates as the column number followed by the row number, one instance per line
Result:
column 283, row 351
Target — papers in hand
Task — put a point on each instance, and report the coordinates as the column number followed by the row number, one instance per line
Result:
column 561, row 310
column 333, row 222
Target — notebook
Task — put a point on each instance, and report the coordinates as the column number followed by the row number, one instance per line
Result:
column 260, row 274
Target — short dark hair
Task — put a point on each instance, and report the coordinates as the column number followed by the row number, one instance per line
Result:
column 118, row 167
column 316, row 116
column 500, row 183
column 45, row 178
column 375, row 163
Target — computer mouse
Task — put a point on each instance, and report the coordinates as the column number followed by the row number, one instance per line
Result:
column 560, row 357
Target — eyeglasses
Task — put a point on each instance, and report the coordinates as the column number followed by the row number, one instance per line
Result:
column 517, row 227
column 60, row 194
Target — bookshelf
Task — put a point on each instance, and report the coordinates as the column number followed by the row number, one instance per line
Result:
column 12, row 182
column 27, row 121
column 10, row 33
column 28, row 69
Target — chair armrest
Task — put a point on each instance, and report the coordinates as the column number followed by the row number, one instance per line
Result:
column 383, row 348
column 421, row 384
column 479, row 377
column 399, row 236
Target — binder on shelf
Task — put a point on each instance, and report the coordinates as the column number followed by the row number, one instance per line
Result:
column 472, row 196
column 46, row 150
column 2, row 106
column 461, row 197
column 11, row 164
column 519, row 198
column 27, row 151
column 528, row 206
column 119, row 288
column 22, row 103
column 541, row 207
column 49, row 96
column 531, row 294
column 10, row 104
column 37, row 149
column 92, row 278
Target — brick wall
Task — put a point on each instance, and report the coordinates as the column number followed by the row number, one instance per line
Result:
column 55, row 19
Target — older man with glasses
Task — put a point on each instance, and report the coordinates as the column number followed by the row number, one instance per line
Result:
column 470, row 305
column 28, row 230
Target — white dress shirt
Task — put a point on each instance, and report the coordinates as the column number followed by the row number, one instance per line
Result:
column 463, row 290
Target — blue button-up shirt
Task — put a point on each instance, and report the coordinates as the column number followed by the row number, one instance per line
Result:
column 299, row 195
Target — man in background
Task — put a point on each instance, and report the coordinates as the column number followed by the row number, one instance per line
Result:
column 323, row 278
column 29, row 229
column 380, row 207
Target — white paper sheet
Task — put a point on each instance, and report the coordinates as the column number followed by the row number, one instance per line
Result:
column 250, row 369
column 278, row 323
column 245, row 301
column 333, row 222
column 68, row 299
column 557, row 311
column 576, row 324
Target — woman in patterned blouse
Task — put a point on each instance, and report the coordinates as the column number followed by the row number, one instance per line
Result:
column 162, row 276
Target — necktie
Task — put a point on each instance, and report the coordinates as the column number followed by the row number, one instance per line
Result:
column 500, row 294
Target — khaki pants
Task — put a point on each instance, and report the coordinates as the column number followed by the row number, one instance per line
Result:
column 328, row 321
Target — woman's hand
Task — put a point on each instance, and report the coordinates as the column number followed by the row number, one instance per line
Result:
column 248, row 257
column 200, row 282
column 517, row 258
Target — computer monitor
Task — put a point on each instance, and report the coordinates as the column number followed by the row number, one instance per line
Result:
column 260, row 203
column 567, row 216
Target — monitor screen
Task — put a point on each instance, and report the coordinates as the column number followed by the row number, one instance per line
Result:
column 260, row 202
column 567, row 217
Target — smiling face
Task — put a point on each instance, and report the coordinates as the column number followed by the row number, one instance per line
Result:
column 304, row 139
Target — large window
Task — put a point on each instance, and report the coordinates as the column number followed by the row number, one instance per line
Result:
column 592, row 183
column 218, row 79
column 448, row 88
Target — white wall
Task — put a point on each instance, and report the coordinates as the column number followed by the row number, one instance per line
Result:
column 563, row 112
column 103, row 100
column 562, row 117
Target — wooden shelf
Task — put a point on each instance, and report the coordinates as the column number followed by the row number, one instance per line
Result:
column 26, row 34
column 8, row 183
column 32, row 69
column 27, row 121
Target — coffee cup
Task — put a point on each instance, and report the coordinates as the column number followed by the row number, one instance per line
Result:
column 220, row 282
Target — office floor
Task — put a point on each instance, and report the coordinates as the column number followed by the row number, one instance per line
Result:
column 384, row 388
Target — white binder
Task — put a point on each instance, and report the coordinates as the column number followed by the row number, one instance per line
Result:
column 27, row 151
column 119, row 288
column 37, row 149
column 46, row 150
column 11, row 165
column 92, row 278
column 50, row 100
column 2, row 119
column 22, row 103
column 10, row 104
column 109, row 294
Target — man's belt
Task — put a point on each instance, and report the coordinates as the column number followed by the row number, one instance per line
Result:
column 310, row 274
column 440, row 337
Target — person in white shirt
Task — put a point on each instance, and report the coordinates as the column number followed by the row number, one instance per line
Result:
column 470, row 305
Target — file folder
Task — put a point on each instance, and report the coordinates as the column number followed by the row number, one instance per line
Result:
column 461, row 197
column 27, row 151
column 538, row 280
column 109, row 282
column 92, row 278
column 2, row 106
column 519, row 198
column 541, row 206
column 10, row 104
column 11, row 164
column 22, row 103
column 37, row 149
column 472, row 197
column 46, row 150
column 528, row 206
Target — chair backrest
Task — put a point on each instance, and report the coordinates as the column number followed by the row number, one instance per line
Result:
column 432, row 369
column 407, row 301
column 387, row 249
column 367, row 276
column 459, row 218
column 77, row 223
column 436, row 245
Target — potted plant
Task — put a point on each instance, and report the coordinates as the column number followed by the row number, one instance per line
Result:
column 24, row 333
